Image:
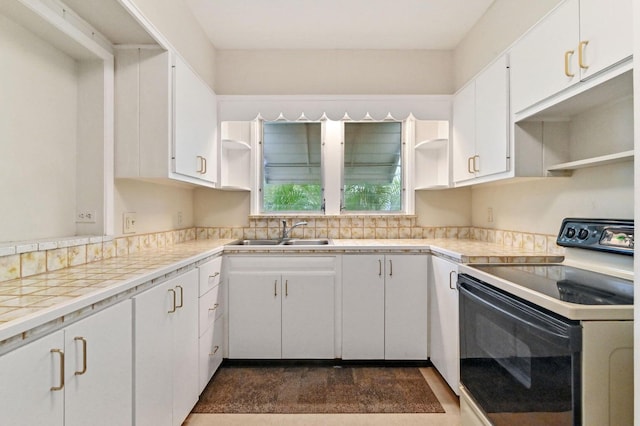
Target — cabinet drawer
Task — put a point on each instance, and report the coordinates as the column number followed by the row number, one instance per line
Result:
column 210, row 352
column 210, row 308
column 210, row 274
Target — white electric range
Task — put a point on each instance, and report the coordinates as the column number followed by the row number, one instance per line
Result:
column 552, row 344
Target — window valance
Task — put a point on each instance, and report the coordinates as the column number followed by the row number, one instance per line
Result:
column 314, row 108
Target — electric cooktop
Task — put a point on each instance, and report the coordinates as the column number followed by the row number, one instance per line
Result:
column 566, row 283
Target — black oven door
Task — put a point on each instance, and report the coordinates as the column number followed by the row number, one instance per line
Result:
column 516, row 360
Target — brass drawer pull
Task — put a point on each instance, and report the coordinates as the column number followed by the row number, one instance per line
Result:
column 451, row 285
column 173, row 292
column 567, row 57
column 215, row 350
column 61, row 353
column 214, row 307
column 583, row 44
column 84, row 356
column 181, row 296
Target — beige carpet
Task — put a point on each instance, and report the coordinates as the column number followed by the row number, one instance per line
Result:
column 318, row 389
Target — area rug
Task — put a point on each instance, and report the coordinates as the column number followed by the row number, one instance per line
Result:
column 318, row 389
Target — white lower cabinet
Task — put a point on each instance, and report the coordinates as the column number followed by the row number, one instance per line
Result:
column 211, row 320
column 281, row 307
column 384, row 307
column 76, row 376
column 166, row 351
column 443, row 322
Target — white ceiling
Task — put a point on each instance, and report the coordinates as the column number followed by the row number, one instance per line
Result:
column 337, row 24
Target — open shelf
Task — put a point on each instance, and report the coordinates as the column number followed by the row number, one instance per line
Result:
column 236, row 155
column 234, row 144
column 439, row 143
column 593, row 162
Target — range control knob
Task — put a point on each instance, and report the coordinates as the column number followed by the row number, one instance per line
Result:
column 583, row 234
column 571, row 232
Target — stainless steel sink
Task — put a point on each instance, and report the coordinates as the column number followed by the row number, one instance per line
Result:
column 255, row 243
column 292, row 242
column 306, row 242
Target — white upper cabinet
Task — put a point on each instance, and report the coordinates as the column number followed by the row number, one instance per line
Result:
column 194, row 125
column 165, row 119
column 480, row 125
column 579, row 39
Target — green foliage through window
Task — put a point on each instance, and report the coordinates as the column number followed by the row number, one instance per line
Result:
column 292, row 197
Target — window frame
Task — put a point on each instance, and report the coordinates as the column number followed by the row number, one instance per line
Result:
column 332, row 150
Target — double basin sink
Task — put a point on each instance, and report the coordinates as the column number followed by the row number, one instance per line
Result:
column 288, row 242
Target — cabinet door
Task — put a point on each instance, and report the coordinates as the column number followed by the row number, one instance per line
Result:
column 538, row 59
column 254, row 315
column 210, row 350
column 406, row 307
column 363, row 307
column 464, row 131
column 194, row 125
column 185, row 346
column 308, row 315
column 492, row 112
column 98, row 369
column 153, row 370
column 607, row 28
column 27, row 375
column 443, row 320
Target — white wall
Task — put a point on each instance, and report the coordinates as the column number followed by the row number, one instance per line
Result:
column 156, row 206
column 539, row 205
column 331, row 72
column 38, row 110
column 451, row 207
column 221, row 208
column 178, row 25
column 501, row 25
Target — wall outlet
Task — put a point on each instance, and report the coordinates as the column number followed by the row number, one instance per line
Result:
column 179, row 218
column 86, row 216
column 490, row 215
column 129, row 221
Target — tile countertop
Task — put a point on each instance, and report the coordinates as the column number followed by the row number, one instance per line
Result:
column 46, row 300
column 42, row 302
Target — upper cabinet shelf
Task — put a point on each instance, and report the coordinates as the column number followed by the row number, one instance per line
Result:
column 234, row 144
column 236, row 154
column 602, row 160
column 437, row 143
column 431, row 154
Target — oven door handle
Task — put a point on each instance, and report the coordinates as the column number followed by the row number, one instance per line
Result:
column 542, row 326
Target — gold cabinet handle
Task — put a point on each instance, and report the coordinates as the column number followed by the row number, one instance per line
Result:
column 200, row 164
column 286, row 288
column 475, row 169
column 379, row 267
column 84, row 356
column 214, row 307
column 390, row 268
column 215, row 350
column 181, row 296
column 61, row 353
column 204, row 171
column 214, row 275
column 275, row 288
column 173, row 292
column 469, row 160
column 581, row 48
column 451, row 285
column 567, row 57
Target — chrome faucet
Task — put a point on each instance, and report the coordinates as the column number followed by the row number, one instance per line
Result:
column 285, row 231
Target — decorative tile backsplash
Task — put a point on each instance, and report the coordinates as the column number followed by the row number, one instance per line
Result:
column 24, row 259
